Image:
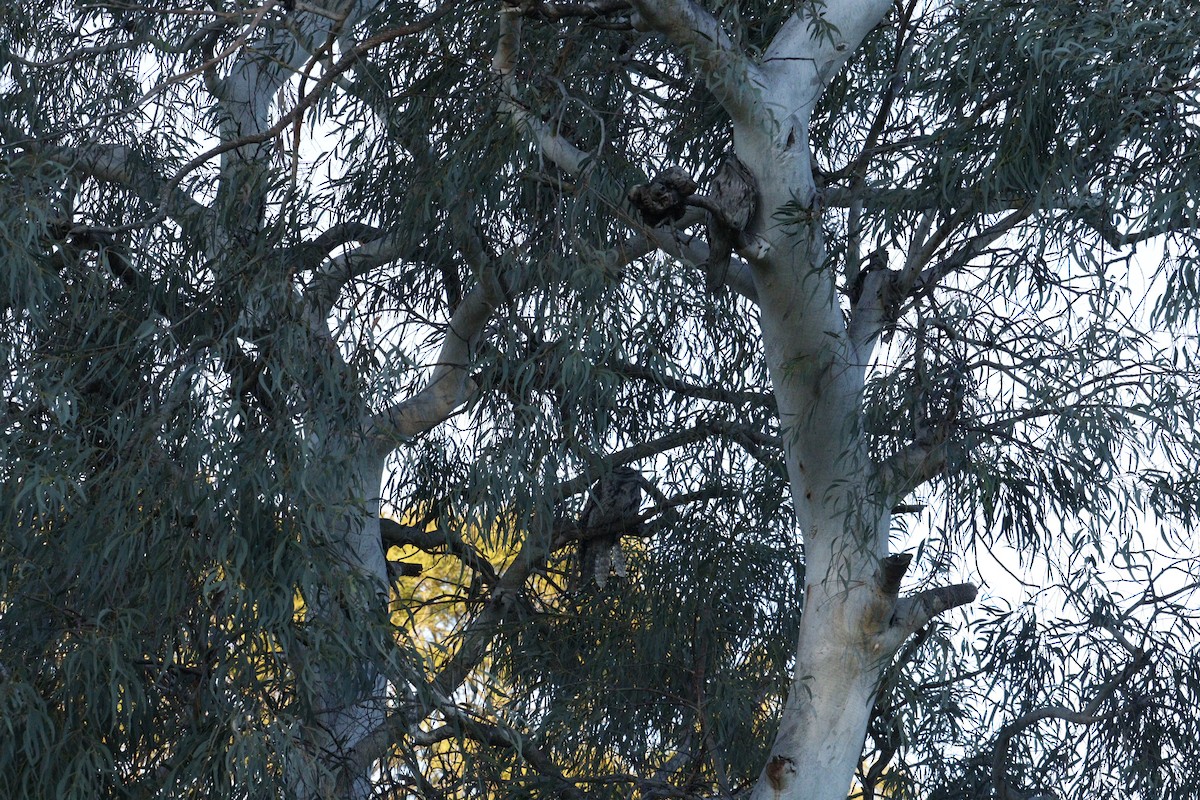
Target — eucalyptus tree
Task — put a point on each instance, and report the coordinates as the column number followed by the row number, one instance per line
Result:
column 272, row 270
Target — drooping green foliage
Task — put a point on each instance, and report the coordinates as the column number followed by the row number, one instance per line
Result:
column 194, row 352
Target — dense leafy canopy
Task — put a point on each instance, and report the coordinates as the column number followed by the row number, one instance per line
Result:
column 211, row 309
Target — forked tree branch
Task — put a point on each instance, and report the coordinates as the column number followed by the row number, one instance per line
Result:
column 553, row 146
column 450, row 385
column 1090, row 714
column 966, row 252
column 885, row 294
column 892, row 619
column 729, row 74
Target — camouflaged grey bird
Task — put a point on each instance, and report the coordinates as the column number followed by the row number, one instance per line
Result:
column 614, row 502
column 731, row 205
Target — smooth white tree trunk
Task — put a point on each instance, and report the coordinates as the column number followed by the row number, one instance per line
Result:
column 853, row 619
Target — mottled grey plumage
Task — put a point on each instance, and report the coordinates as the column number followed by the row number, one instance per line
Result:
column 613, row 503
column 732, row 201
column 663, row 198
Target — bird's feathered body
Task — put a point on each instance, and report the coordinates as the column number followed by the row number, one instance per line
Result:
column 733, row 199
column 665, row 197
column 612, row 506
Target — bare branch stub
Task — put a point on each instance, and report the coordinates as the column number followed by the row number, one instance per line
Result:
column 891, row 573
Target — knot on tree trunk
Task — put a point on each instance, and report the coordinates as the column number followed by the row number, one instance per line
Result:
column 780, row 771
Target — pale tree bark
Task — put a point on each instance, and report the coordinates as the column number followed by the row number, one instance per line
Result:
column 265, row 309
column 359, row 441
column 853, row 619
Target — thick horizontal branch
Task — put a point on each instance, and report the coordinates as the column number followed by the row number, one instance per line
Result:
column 570, row 531
column 908, row 615
column 694, row 252
column 332, row 276
column 911, row 467
column 878, row 197
column 336, row 236
column 901, row 199
column 893, row 620
column 587, row 9
column 615, row 259
column 698, row 432
column 680, row 245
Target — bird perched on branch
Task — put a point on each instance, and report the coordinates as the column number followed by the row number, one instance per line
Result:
column 731, row 203
column 612, row 507
column 663, row 198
